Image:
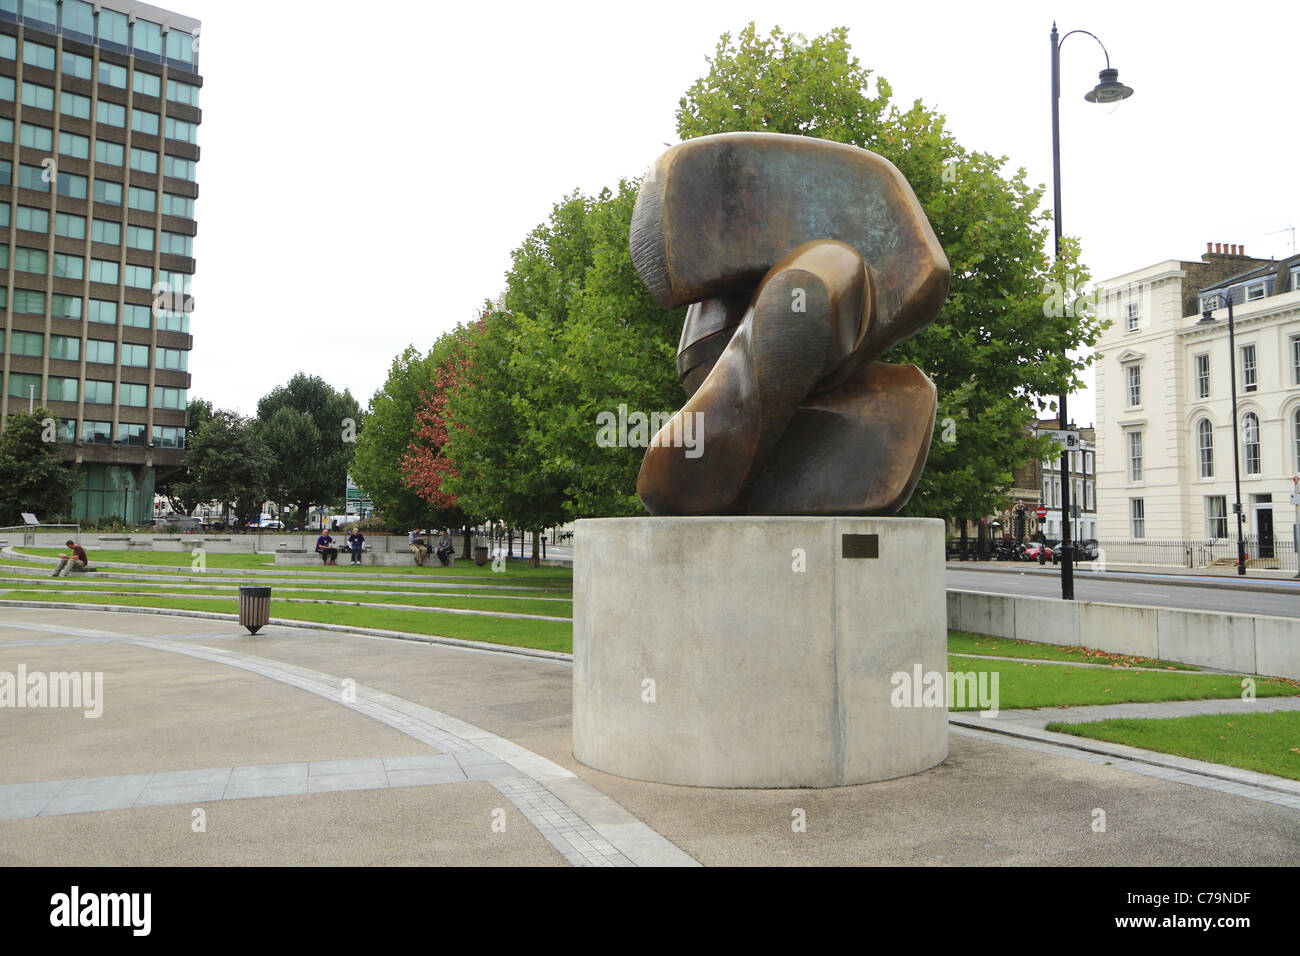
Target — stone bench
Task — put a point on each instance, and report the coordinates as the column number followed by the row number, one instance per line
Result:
column 385, row 559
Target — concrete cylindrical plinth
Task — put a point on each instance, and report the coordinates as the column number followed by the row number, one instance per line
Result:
column 758, row 651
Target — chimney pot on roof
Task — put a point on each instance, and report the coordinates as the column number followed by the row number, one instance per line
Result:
column 1236, row 249
column 1241, row 250
column 1209, row 247
column 1218, row 247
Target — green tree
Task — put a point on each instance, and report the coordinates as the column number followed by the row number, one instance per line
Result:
column 576, row 334
column 996, row 353
column 32, row 475
column 231, row 464
column 180, row 487
column 310, row 463
column 426, row 466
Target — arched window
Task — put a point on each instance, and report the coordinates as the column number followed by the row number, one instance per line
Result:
column 1250, row 442
column 1295, row 434
column 1205, row 443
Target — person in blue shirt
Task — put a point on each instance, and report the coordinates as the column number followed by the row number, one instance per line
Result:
column 325, row 548
column 356, row 541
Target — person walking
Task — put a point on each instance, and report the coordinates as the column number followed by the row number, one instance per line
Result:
column 76, row 561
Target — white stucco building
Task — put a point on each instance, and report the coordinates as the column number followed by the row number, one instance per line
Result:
column 1164, row 402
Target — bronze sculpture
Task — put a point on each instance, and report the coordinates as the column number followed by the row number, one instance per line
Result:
column 803, row 261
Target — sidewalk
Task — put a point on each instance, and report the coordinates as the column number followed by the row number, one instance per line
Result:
column 1255, row 579
column 312, row 746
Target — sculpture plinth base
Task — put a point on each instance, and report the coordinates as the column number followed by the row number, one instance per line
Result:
column 757, row 652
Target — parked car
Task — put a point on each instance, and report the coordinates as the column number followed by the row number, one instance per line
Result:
column 1081, row 551
column 1034, row 551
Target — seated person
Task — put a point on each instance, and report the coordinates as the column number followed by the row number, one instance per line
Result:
column 325, row 548
column 418, row 547
column 356, row 541
column 77, row 561
column 445, row 548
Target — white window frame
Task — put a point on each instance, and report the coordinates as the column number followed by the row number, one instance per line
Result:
column 1204, row 449
column 1211, row 518
column 1137, row 516
column 1134, row 441
column 1202, row 363
column 1134, row 316
column 1247, row 431
column 1249, row 370
column 1295, row 434
column 1133, row 377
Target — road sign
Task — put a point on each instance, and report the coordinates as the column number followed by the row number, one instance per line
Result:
column 1041, row 512
column 1067, row 439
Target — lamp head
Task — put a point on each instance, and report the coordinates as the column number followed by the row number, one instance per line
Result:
column 1109, row 91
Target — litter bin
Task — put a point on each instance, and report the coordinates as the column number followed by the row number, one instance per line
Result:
column 254, row 607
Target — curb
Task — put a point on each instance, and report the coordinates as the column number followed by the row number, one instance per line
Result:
column 1133, row 577
column 1249, row 778
column 305, row 625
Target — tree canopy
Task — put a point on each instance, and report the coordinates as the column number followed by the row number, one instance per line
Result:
column 312, row 431
column 576, row 334
column 32, row 475
column 997, row 353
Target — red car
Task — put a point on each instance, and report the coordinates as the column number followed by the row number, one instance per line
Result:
column 1037, row 552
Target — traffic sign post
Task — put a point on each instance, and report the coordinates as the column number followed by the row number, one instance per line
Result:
column 1041, row 512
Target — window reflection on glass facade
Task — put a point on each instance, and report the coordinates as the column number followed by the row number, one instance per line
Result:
column 79, row 17
column 96, row 93
column 44, row 12
column 96, row 432
column 148, row 37
column 130, row 434
column 112, row 27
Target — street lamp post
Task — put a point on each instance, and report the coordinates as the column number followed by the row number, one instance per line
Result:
column 1109, row 91
column 1207, row 318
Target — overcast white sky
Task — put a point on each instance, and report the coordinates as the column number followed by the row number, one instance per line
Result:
column 368, row 168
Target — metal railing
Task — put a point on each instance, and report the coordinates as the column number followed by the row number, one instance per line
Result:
column 30, row 531
column 1266, row 553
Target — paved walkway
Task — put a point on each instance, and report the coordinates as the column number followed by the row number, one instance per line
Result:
column 1042, row 716
column 311, row 746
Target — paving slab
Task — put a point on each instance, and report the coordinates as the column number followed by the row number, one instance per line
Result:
column 994, row 801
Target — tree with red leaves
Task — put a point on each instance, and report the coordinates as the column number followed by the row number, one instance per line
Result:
column 425, row 466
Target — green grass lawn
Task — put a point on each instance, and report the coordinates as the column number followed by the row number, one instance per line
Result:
column 517, row 570
column 204, row 596
column 544, row 635
column 1020, row 684
column 1052, row 685
column 357, row 591
column 961, row 642
column 1267, row 743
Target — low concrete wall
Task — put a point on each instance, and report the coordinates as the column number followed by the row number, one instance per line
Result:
column 380, row 559
column 1244, row 643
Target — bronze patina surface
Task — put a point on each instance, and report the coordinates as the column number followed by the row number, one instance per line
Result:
column 803, row 261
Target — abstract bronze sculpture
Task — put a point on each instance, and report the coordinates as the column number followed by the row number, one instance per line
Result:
column 803, row 261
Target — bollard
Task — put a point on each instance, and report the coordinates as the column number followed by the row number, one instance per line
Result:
column 254, row 607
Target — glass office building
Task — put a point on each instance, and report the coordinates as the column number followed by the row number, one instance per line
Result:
column 99, row 117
